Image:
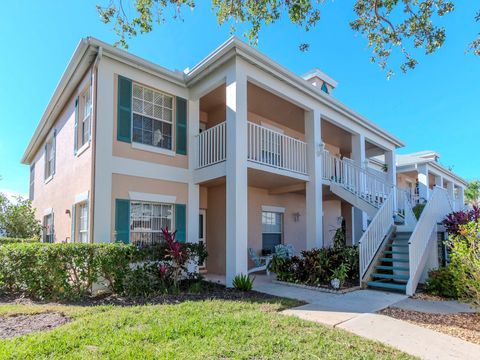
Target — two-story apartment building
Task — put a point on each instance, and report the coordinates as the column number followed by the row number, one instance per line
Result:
column 237, row 152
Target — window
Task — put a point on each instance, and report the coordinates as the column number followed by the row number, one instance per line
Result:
column 48, row 233
column 152, row 117
column 83, row 222
column 50, row 157
column 86, row 116
column 147, row 221
column 272, row 230
column 31, row 192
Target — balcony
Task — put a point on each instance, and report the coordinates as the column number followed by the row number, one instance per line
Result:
column 265, row 147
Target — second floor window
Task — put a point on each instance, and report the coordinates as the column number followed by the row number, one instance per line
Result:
column 50, row 157
column 86, row 101
column 152, row 117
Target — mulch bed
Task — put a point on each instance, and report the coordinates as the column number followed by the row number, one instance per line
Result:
column 21, row 324
column 465, row 326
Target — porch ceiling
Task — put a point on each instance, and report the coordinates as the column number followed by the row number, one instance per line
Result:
column 265, row 180
column 337, row 136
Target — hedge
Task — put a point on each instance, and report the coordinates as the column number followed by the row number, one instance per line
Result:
column 9, row 240
column 68, row 271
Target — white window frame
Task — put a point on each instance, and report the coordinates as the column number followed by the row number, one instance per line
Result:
column 86, row 103
column 83, row 220
column 49, row 229
column 31, row 188
column 151, row 147
column 50, row 158
column 280, row 214
column 136, row 234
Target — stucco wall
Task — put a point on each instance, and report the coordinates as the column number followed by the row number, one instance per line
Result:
column 216, row 220
column 72, row 173
column 332, row 210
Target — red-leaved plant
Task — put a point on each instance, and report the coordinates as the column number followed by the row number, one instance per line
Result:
column 176, row 253
column 453, row 220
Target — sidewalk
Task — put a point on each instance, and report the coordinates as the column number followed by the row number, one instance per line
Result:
column 355, row 312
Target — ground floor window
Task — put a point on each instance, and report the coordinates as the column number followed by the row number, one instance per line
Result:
column 272, row 230
column 83, row 223
column 48, row 228
column 147, row 219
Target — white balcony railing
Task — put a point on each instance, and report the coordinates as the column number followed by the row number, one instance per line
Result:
column 211, row 146
column 272, row 148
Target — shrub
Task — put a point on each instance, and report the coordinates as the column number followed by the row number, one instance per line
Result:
column 316, row 266
column 454, row 220
column 418, row 209
column 17, row 219
column 68, row 271
column 9, row 240
column 441, row 282
column 243, row 282
column 340, row 273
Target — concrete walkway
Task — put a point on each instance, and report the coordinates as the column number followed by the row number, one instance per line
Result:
column 356, row 312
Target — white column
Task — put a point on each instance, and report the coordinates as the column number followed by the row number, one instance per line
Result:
column 461, row 197
column 193, row 189
column 314, row 197
column 390, row 161
column 236, row 179
column 359, row 221
column 451, row 190
column 423, row 189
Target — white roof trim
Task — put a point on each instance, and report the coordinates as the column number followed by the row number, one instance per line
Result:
column 320, row 74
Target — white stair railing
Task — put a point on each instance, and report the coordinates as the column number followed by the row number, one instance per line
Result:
column 355, row 179
column 436, row 209
column 211, row 145
column 272, row 148
column 373, row 237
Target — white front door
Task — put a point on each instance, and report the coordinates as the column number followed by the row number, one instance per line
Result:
column 202, row 233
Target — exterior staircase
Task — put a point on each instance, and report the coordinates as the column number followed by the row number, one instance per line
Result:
column 391, row 270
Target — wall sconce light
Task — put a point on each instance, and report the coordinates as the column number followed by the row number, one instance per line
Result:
column 67, row 211
column 320, row 148
column 296, row 216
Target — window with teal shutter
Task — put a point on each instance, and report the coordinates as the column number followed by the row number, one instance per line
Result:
column 75, row 128
column 122, row 220
column 181, row 222
column 324, row 87
column 181, row 129
column 124, row 110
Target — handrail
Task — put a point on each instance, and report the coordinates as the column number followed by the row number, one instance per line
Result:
column 436, row 209
column 274, row 149
column 355, row 179
column 211, row 145
column 373, row 237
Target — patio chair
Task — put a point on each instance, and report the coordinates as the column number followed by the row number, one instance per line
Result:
column 284, row 251
column 261, row 262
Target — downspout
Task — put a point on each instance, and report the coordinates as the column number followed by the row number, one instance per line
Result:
column 93, row 135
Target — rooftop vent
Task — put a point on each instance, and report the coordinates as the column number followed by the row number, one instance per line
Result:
column 319, row 79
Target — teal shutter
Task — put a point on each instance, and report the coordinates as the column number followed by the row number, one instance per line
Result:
column 73, row 215
column 181, row 129
column 122, row 220
column 75, row 129
column 124, row 110
column 181, row 222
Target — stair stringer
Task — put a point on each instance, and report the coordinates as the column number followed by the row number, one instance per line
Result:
column 353, row 199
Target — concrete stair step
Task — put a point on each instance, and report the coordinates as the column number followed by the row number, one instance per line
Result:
column 391, row 268
column 387, row 285
column 390, row 276
column 393, row 260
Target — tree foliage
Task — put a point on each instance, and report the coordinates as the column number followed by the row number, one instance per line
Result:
column 402, row 26
column 17, row 219
column 472, row 193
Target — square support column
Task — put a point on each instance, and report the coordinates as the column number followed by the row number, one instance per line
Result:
column 451, row 194
column 359, row 221
column 461, row 197
column 193, row 189
column 391, row 162
column 236, row 179
column 314, row 195
column 423, row 188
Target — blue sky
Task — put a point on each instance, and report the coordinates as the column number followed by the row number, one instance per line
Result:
column 436, row 106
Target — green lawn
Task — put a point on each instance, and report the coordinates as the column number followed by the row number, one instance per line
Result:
column 191, row 330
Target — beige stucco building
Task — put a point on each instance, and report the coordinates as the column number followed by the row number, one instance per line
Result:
column 237, row 152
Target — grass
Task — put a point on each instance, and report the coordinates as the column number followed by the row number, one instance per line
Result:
column 213, row 329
